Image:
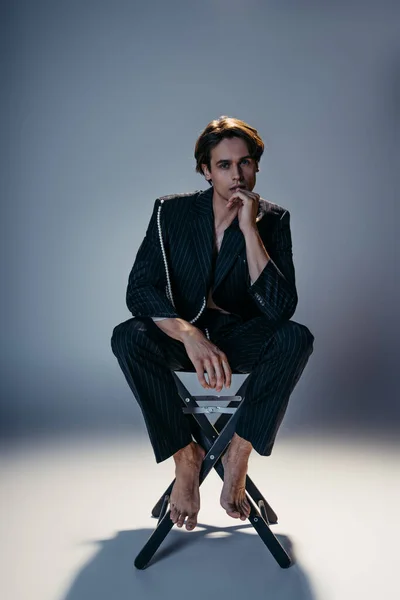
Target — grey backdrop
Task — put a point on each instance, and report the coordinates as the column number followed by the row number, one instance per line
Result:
column 102, row 105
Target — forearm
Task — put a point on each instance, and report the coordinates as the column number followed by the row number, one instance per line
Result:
column 268, row 286
column 175, row 328
column 272, row 284
column 257, row 256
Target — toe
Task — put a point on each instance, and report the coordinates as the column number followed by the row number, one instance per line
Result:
column 173, row 514
column 181, row 519
column 191, row 522
column 245, row 509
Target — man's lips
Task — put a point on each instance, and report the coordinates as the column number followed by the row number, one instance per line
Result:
column 238, row 187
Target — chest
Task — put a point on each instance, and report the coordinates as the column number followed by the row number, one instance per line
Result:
column 218, row 237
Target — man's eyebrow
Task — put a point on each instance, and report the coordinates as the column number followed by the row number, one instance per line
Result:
column 226, row 160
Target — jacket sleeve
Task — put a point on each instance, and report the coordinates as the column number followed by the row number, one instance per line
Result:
column 274, row 291
column 146, row 295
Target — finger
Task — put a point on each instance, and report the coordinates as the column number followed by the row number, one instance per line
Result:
column 210, row 373
column 219, row 373
column 227, row 371
column 200, row 377
column 233, row 199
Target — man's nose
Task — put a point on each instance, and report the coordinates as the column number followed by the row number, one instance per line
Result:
column 237, row 173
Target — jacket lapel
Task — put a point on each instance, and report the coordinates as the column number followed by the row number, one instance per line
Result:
column 202, row 241
column 202, row 234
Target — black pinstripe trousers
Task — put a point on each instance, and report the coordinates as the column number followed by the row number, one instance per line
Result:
column 274, row 356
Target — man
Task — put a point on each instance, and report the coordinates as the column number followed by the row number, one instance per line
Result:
column 213, row 289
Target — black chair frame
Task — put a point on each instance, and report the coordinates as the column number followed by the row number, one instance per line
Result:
column 215, row 439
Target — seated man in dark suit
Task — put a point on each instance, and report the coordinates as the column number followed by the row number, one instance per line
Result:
column 213, row 289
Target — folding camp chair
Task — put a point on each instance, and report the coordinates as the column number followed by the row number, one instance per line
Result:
column 214, row 439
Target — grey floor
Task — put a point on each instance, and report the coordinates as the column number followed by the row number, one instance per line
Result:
column 76, row 511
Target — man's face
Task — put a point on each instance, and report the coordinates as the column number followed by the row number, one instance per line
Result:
column 231, row 166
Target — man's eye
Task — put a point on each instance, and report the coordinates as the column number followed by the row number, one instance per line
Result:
column 244, row 160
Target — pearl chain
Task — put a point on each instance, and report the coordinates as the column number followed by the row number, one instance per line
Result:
column 169, row 288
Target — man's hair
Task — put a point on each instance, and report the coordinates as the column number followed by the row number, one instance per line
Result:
column 226, row 127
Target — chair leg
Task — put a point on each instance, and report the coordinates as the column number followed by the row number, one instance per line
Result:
column 260, row 520
column 214, row 441
column 154, row 542
column 257, row 519
column 164, row 508
column 158, row 507
column 270, row 515
column 218, row 446
column 261, row 525
column 202, row 432
column 269, row 539
column 165, row 524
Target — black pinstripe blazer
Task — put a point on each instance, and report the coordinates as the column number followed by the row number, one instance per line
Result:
column 186, row 223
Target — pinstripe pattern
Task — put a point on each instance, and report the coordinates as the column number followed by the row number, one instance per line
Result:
column 258, row 336
column 275, row 359
column 187, row 224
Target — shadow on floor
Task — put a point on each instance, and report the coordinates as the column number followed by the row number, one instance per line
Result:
column 203, row 564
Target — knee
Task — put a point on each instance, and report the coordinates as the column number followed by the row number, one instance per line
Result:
column 117, row 338
column 295, row 338
column 126, row 336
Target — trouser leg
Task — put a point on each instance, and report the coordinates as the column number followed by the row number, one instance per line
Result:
column 147, row 357
column 275, row 360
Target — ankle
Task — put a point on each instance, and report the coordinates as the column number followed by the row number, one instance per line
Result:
column 188, row 454
column 239, row 448
column 237, row 457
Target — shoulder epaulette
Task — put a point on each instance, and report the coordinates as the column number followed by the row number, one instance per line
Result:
column 172, row 196
column 266, row 206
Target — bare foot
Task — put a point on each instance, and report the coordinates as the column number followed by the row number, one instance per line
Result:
column 185, row 495
column 233, row 496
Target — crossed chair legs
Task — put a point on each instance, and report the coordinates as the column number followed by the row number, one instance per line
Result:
column 215, row 439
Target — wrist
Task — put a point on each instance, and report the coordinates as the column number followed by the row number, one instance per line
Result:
column 250, row 231
column 175, row 327
column 187, row 331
